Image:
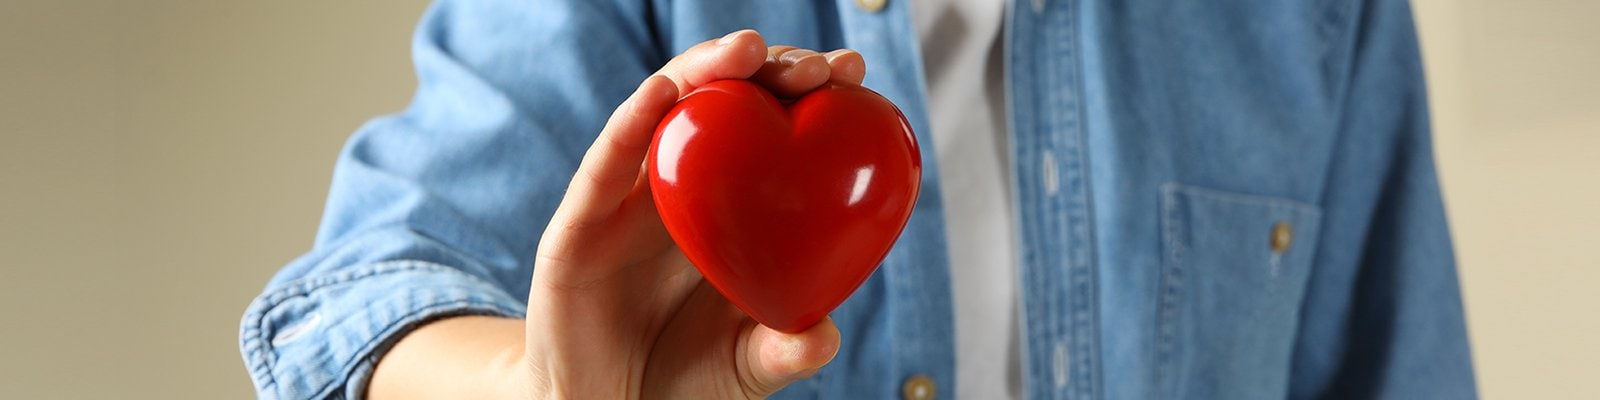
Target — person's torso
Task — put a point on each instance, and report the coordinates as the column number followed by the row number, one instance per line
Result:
column 1167, row 160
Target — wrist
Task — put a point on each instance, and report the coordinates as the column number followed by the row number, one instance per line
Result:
column 509, row 374
column 456, row 357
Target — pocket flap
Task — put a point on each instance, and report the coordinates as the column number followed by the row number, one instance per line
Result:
column 1234, row 278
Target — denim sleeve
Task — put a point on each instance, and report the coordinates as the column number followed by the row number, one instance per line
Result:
column 436, row 211
column 1386, row 321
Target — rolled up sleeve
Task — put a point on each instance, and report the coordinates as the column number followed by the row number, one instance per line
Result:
column 304, row 339
column 437, row 211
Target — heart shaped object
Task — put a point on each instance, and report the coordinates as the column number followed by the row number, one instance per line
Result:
column 786, row 208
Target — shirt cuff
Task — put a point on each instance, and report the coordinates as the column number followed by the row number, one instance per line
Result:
column 322, row 335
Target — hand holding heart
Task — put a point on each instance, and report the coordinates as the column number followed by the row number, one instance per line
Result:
column 616, row 310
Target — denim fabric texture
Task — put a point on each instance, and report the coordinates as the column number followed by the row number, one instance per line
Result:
column 1156, row 148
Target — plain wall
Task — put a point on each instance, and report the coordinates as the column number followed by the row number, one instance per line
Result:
column 160, row 159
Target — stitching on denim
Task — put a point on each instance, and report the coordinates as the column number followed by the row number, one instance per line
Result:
column 1054, row 231
column 1308, row 213
column 1091, row 310
column 1174, row 226
column 1075, row 229
column 260, row 366
column 1171, row 278
column 1269, row 201
column 256, row 345
column 1022, row 97
column 1015, row 126
column 1046, row 136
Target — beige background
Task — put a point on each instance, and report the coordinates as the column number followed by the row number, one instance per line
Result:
column 160, row 159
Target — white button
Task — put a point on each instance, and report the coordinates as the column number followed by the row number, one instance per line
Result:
column 1061, row 365
column 1038, row 5
column 1051, row 173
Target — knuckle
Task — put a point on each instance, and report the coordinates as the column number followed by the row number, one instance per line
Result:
column 604, row 179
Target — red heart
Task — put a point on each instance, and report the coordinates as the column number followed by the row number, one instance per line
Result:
column 785, row 209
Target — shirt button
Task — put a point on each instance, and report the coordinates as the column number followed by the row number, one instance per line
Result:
column 1282, row 237
column 1050, row 173
column 1062, row 369
column 871, row 5
column 919, row 387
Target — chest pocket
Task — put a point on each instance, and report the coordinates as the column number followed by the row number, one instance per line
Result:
column 1233, row 279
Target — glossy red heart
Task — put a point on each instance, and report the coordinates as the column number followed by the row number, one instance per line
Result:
column 786, row 208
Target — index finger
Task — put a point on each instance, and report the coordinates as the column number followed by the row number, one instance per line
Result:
column 735, row 56
column 611, row 167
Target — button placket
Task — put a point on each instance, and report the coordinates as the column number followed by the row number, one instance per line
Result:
column 1050, row 147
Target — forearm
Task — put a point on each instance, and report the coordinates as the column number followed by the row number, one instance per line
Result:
column 466, row 357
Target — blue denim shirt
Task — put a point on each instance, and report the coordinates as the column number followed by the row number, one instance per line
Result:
column 1217, row 200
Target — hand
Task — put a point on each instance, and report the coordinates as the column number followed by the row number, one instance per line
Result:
column 615, row 310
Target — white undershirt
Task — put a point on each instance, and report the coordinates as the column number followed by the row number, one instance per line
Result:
column 962, row 57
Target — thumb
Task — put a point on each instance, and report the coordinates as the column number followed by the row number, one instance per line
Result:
column 772, row 360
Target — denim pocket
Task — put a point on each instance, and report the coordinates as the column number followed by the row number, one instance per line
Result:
column 1233, row 279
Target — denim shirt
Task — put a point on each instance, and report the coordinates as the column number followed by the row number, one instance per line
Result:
column 1217, row 200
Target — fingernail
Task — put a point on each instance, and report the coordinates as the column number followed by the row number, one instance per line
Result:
column 793, row 57
column 730, row 37
column 802, row 374
column 836, row 53
column 785, row 356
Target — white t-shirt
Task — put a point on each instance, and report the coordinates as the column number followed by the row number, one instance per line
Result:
column 962, row 55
